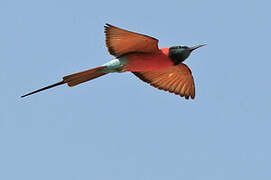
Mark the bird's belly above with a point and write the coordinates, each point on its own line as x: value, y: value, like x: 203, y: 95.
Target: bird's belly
x: 147, y: 62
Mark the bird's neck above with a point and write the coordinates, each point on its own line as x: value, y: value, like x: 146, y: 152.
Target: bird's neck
x: 178, y: 56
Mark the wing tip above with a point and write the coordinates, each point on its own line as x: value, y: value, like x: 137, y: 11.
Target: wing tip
x: 107, y: 24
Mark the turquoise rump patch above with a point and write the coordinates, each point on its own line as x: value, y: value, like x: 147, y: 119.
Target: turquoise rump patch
x: 115, y: 65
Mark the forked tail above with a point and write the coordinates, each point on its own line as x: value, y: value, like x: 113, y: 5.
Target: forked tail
x: 75, y: 79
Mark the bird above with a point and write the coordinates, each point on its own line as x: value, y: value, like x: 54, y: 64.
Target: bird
x: 162, y: 68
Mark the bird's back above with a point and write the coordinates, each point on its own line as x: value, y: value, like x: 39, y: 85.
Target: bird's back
x: 148, y: 61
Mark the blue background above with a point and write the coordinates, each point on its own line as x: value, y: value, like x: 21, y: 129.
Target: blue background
x: 118, y: 127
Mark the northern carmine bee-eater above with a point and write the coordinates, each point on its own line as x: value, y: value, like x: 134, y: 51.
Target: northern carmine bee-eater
x: 162, y: 68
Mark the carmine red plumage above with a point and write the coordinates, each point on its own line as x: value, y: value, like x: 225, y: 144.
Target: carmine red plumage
x: 149, y: 62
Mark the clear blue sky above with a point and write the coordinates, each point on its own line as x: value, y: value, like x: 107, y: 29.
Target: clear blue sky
x: 117, y: 127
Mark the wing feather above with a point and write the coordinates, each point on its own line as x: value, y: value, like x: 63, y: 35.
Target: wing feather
x: 177, y: 79
x: 120, y: 41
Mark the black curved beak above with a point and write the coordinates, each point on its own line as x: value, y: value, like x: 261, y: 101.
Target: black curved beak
x: 196, y: 47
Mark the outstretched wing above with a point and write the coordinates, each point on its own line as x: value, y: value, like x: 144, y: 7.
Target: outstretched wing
x: 177, y: 79
x: 120, y: 41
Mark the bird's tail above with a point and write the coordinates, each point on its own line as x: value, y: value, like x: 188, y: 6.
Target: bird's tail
x: 78, y: 78
x: 75, y: 79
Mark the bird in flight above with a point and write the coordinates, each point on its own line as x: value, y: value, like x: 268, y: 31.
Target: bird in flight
x: 162, y: 68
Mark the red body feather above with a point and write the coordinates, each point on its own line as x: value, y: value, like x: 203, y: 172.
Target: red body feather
x: 148, y: 61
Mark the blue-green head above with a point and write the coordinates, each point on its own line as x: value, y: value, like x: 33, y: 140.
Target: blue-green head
x: 179, y: 53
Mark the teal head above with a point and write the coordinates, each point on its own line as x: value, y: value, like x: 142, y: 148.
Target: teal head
x: 179, y: 53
